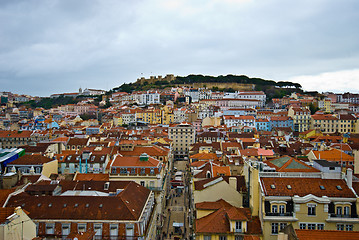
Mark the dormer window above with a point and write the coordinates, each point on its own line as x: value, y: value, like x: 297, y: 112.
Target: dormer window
x: 238, y: 227
x: 107, y: 185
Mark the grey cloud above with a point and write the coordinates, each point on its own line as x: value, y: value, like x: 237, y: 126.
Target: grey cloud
x: 105, y: 43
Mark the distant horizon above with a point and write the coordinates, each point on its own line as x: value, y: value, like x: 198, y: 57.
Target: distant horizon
x: 163, y: 75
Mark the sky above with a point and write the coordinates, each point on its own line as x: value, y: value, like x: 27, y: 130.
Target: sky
x: 59, y: 46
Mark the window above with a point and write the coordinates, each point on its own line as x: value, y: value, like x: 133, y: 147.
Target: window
x: 340, y: 227
x: 311, y: 209
x: 274, y: 208
x: 81, y: 227
x: 339, y: 210
x: 113, y: 231
x: 222, y: 237
x: 207, y: 238
x: 320, y: 226
x: 238, y: 226
x: 142, y: 183
x: 130, y: 230
x: 50, y: 228
x: 302, y: 226
x: 274, y: 228
x: 281, y: 209
x: 282, y: 225
x: 346, y: 211
x: 348, y: 227
x: 98, y: 229
x: 65, y: 229
x: 311, y: 226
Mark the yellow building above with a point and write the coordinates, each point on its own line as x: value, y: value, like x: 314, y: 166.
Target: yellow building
x: 167, y: 115
x: 306, y: 203
x: 301, y: 118
x: 17, y: 226
x: 231, y: 189
x: 326, y: 123
x: 117, y: 120
x: 346, y: 123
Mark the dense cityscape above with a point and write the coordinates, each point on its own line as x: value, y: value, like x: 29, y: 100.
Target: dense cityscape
x: 186, y: 161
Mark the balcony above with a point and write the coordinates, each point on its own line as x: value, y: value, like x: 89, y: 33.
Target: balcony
x: 333, y: 215
x: 352, y: 218
x: 288, y: 217
x: 287, y: 214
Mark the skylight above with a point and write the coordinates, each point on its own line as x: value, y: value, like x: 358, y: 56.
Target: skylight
x: 272, y: 186
x: 289, y: 186
x: 339, y: 187
x: 322, y: 187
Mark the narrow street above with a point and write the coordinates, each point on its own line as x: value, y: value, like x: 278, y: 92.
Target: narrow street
x: 177, y: 211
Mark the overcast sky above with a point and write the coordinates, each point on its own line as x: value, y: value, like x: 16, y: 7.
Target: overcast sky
x: 59, y: 46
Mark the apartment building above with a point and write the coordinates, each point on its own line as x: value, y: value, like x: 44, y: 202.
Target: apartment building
x: 119, y: 212
x: 306, y: 203
x: 301, y: 118
x: 182, y: 135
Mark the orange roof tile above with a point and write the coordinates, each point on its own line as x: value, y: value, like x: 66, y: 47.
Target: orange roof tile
x: 326, y: 234
x: 305, y: 186
x: 333, y: 155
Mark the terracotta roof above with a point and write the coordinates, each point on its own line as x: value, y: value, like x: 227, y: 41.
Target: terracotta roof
x: 214, y: 169
x: 5, y: 212
x: 204, y: 156
x: 77, y: 141
x: 127, y: 205
x: 121, y: 161
x: 333, y: 155
x: 324, y: 117
x: 4, y: 193
x: 39, y: 148
x: 92, y: 177
x: 305, y: 186
x: 326, y: 234
x: 35, y: 159
x: 219, y: 221
x: 93, y: 185
x: 153, y: 150
x: 88, y: 235
x: 15, y: 134
x: 213, y: 205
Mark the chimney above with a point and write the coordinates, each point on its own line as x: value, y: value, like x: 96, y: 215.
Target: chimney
x: 350, y: 177
x: 282, y: 236
x: 233, y: 182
